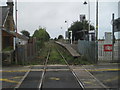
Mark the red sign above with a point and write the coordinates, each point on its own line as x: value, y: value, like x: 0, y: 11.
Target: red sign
x: 108, y: 47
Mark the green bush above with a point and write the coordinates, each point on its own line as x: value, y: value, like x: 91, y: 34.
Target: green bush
x: 8, y: 48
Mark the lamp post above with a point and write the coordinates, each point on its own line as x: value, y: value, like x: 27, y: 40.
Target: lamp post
x: 71, y: 36
x: 85, y: 3
x: 66, y: 32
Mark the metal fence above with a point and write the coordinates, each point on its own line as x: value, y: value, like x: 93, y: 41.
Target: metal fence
x: 87, y: 49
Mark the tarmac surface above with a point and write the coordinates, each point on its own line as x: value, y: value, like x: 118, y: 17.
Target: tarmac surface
x: 104, y: 75
x: 107, y: 73
x: 60, y: 79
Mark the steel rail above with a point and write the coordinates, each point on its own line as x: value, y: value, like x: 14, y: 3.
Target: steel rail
x: 20, y: 82
x: 42, y: 77
x: 44, y: 71
x: 79, y: 82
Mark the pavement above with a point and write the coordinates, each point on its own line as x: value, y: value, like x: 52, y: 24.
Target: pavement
x: 105, y: 75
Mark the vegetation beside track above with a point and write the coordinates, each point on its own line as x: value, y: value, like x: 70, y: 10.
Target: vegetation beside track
x: 70, y: 59
x: 55, y: 57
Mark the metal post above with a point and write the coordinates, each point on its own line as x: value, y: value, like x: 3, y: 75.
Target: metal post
x: 97, y: 20
x: 71, y: 36
x: 16, y: 14
x: 66, y: 31
x: 113, y: 37
x: 89, y: 18
x: 16, y: 31
x: 0, y: 40
x: 96, y: 40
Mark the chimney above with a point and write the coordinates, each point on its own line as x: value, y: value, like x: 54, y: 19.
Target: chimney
x: 10, y: 5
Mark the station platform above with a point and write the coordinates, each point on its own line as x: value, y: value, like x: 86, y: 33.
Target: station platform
x: 72, y: 51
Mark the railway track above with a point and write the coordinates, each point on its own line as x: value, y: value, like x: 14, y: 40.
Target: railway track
x: 50, y: 76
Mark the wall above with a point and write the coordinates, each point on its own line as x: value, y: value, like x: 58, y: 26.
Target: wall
x: 7, y: 40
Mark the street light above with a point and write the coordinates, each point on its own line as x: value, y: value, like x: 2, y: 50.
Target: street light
x: 85, y: 3
x: 71, y: 36
x: 66, y: 31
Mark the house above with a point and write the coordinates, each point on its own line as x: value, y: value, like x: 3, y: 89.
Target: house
x: 20, y: 39
x: 9, y: 38
x: 7, y: 25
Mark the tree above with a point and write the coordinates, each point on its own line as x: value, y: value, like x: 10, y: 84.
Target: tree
x: 77, y: 29
x: 41, y: 34
x: 55, y: 39
x: 26, y: 33
x: 60, y: 37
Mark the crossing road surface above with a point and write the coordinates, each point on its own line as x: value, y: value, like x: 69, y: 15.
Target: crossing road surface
x: 55, y: 77
x: 60, y: 79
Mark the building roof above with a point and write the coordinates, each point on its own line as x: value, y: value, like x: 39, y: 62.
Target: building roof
x: 16, y: 34
x: 19, y: 35
x: 4, y: 10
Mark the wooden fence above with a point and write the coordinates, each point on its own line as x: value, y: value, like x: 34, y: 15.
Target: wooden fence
x: 26, y: 53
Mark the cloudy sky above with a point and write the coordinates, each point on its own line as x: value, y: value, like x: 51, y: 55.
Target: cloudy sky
x: 52, y: 14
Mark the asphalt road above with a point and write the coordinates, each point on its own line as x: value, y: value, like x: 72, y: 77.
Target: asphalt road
x: 108, y: 74
x: 60, y: 78
x: 32, y: 80
x: 109, y: 78
x: 10, y: 79
x: 57, y: 76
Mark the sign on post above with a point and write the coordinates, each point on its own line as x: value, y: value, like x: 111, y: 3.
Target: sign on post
x: 108, y: 47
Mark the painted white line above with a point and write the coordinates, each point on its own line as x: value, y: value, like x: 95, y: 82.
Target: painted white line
x: 23, y: 79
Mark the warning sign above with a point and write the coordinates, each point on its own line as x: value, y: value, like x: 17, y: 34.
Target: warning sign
x: 108, y: 47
